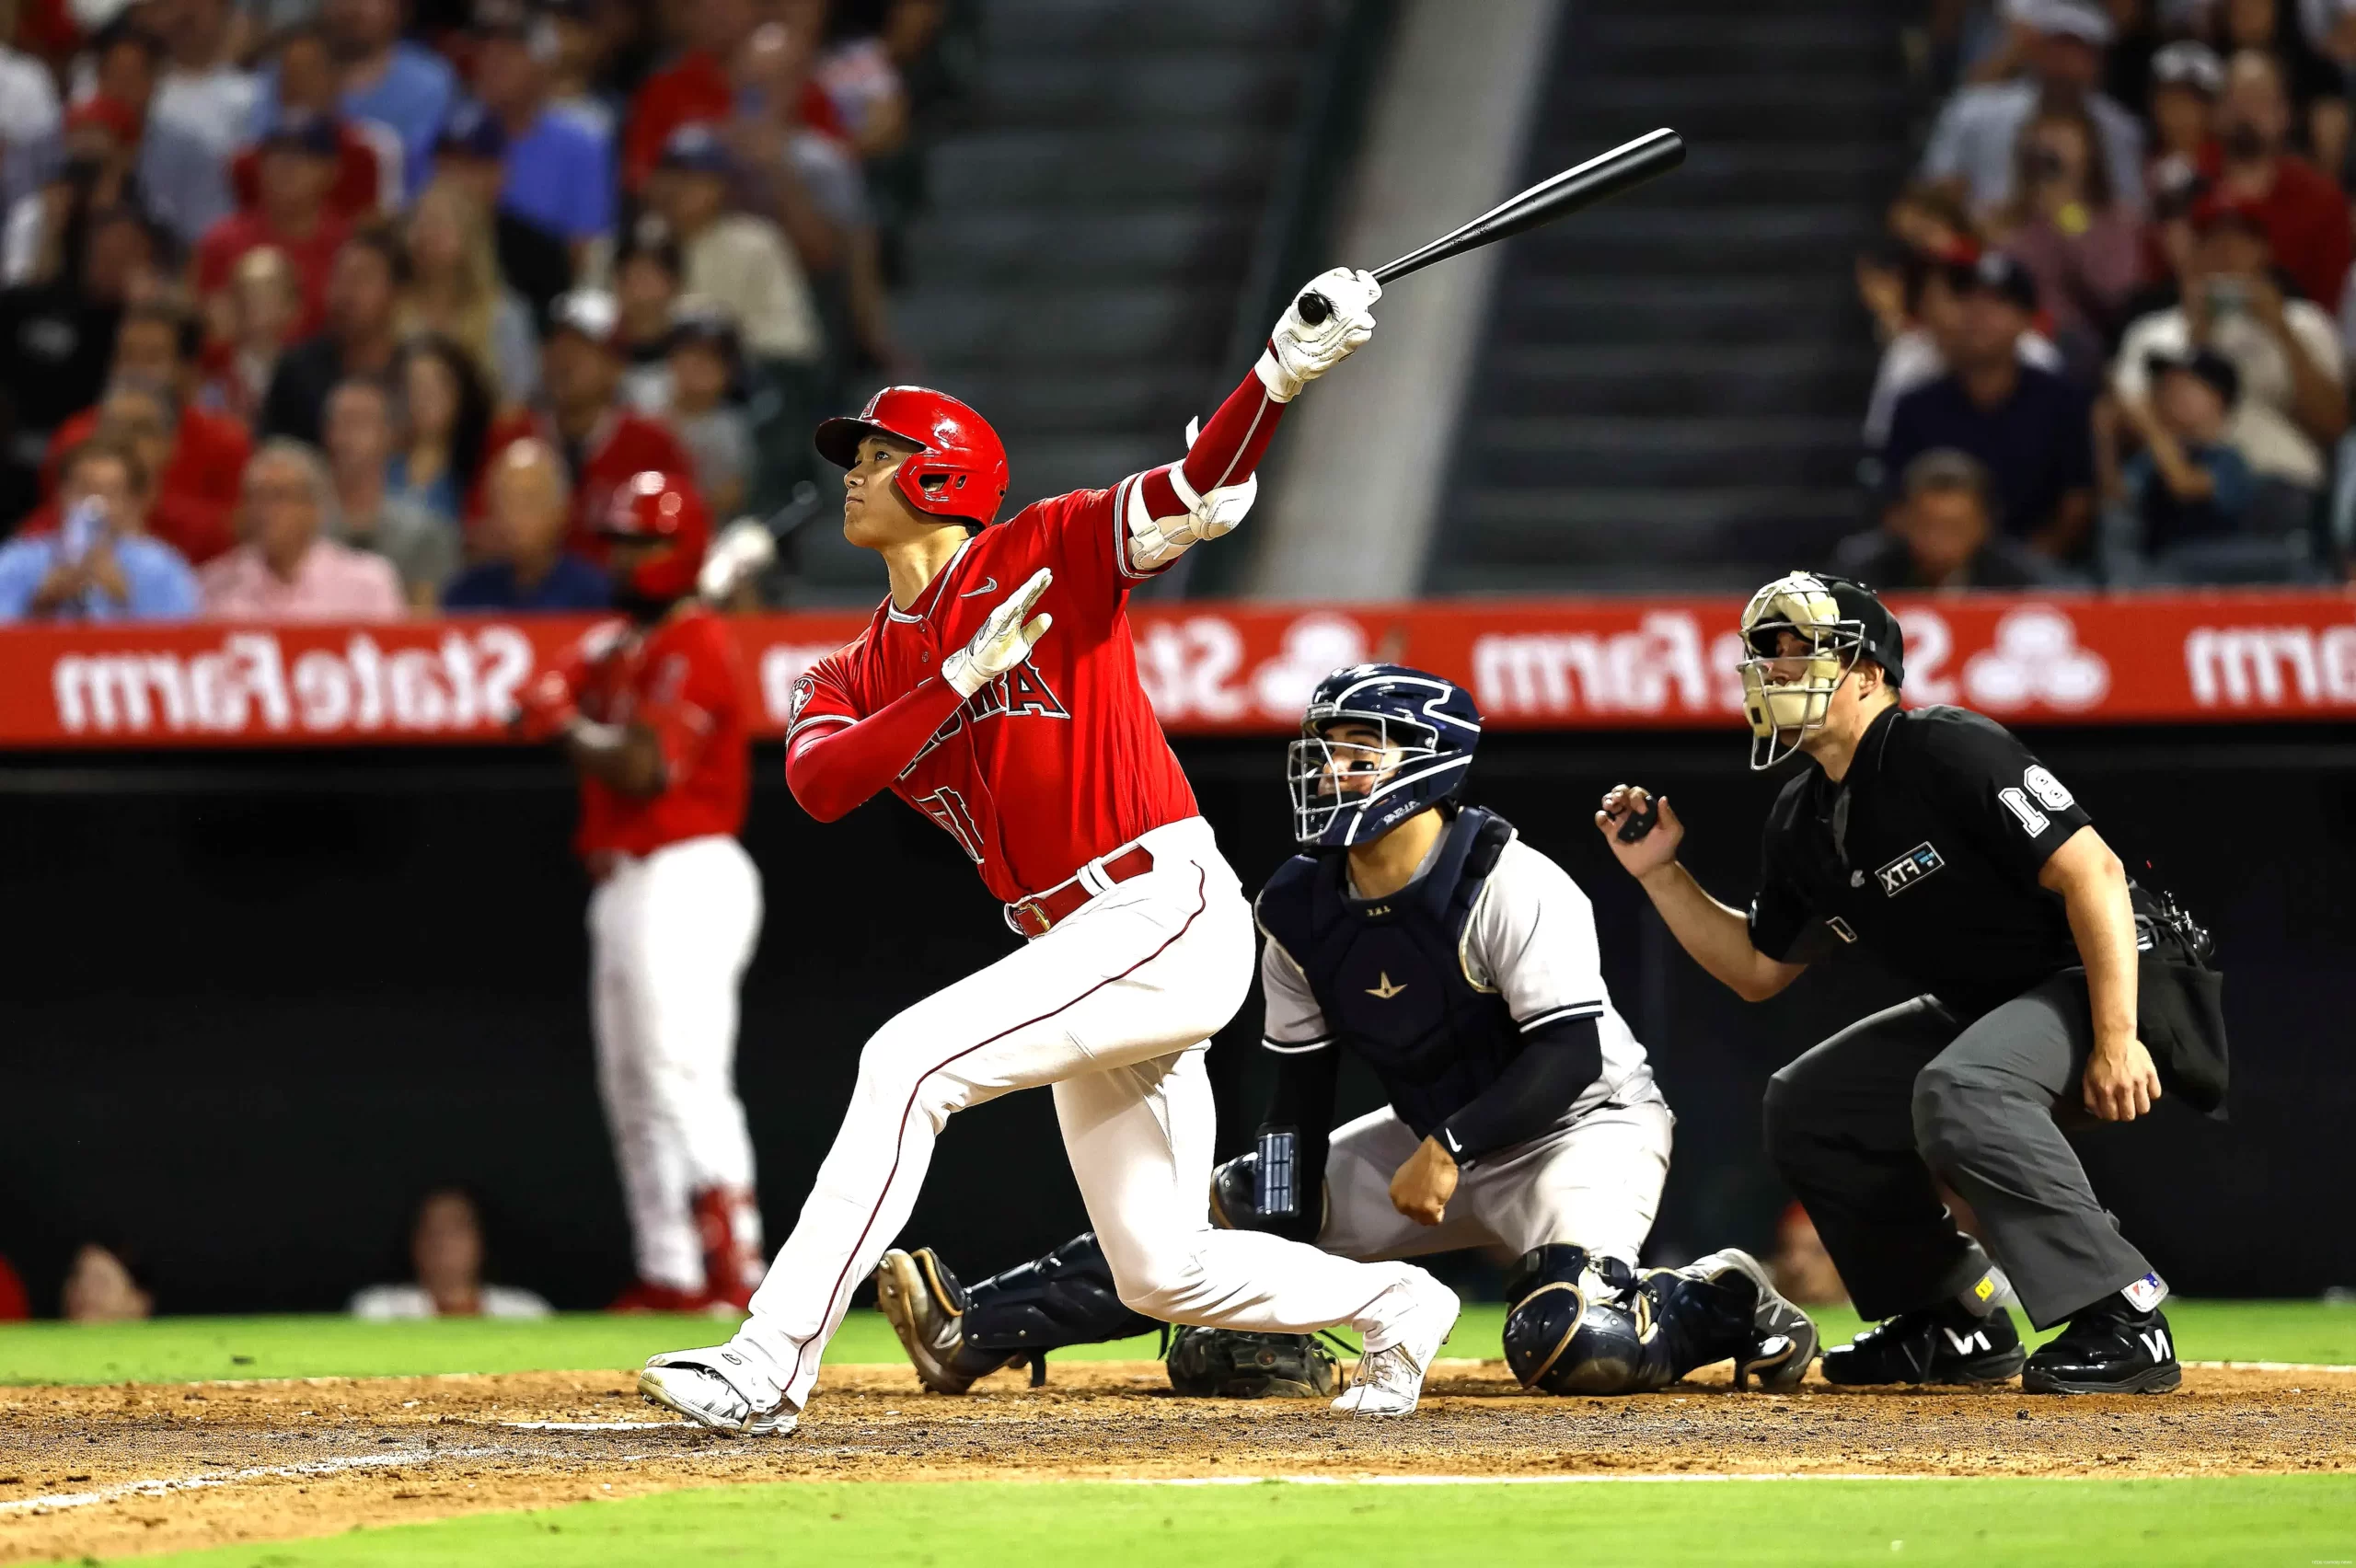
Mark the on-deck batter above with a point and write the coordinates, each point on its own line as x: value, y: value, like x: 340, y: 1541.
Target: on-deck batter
x: 1040, y: 755
x: 652, y: 710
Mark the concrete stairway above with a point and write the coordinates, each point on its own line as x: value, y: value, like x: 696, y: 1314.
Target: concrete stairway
x: 1671, y: 386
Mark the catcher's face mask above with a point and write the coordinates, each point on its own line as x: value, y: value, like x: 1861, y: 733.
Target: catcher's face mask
x: 1340, y: 768
x: 1799, y: 650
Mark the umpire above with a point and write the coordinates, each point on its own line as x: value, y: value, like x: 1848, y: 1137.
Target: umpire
x: 1935, y: 840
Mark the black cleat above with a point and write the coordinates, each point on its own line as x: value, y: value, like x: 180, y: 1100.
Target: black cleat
x: 1930, y: 1344
x: 2109, y: 1348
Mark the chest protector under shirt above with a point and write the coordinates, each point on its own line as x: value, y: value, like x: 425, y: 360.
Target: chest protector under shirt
x: 1390, y: 974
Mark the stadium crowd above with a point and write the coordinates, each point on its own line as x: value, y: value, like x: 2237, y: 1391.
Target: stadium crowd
x: 336, y: 309
x: 2114, y: 301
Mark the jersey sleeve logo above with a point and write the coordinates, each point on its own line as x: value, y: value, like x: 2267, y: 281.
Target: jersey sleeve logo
x: 2051, y: 791
x: 1909, y: 869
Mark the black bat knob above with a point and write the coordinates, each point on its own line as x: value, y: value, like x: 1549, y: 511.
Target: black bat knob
x: 1314, y: 307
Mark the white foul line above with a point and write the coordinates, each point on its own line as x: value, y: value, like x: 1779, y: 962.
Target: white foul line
x: 226, y: 1478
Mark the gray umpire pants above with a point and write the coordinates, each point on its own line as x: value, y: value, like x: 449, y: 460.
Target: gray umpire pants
x: 1859, y: 1125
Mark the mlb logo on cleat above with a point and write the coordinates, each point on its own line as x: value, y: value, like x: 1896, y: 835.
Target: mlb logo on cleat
x: 2146, y: 1293
x: 1908, y: 870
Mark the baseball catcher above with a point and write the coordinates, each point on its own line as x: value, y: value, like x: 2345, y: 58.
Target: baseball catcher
x: 1461, y: 966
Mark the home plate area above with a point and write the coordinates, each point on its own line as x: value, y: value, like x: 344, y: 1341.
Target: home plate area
x: 135, y: 1468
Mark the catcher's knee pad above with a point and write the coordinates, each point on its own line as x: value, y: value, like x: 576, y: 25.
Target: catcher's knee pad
x: 1578, y: 1324
x: 1065, y: 1297
x: 1231, y: 1363
x: 1235, y: 1203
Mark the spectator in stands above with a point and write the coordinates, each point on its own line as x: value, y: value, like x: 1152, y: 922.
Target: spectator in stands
x: 646, y: 293
x: 90, y: 170
x: 704, y: 372
x: 1981, y: 125
x: 296, y: 165
x: 2317, y: 85
x: 180, y: 181
x: 559, y: 176
x: 2030, y: 427
x: 288, y: 568
x: 581, y: 44
x: 255, y: 319
x: 195, y: 455
x: 2293, y: 401
x: 701, y: 86
x: 445, y: 1249
x: 203, y: 88
x: 422, y: 549
x: 601, y: 442
x: 57, y: 341
x: 2083, y: 249
x: 389, y: 79
x: 101, y: 565
x: 455, y: 290
x: 1941, y: 534
x: 472, y: 157
x: 2304, y: 213
x: 2188, y: 483
x: 359, y: 338
x: 446, y: 423
x: 368, y: 156
x: 103, y: 1286
x: 734, y: 259
x: 1918, y: 355
x: 861, y: 74
x: 2186, y: 79
x: 30, y: 114
x: 527, y: 567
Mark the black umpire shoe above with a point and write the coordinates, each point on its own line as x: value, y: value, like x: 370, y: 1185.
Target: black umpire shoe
x: 1930, y: 1344
x: 2109, y: 1348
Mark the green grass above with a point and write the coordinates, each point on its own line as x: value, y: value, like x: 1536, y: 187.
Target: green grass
x: 2241, y: 1521
x: 182, y: 1350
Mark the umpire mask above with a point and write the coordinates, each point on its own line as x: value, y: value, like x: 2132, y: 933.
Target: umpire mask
x: 1379, y: 744
x: 1802, y: 634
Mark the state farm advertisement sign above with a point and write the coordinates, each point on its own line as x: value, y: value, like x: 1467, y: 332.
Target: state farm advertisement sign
x: 1211, y: 668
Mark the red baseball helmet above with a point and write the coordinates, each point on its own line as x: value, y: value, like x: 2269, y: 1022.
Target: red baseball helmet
x: 658, y: 506
x: 963, y: 463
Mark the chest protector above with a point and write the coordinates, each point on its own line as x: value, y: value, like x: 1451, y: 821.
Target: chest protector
x: 1390, y: 974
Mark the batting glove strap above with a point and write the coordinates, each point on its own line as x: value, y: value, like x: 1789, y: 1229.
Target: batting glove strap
x: 1004, y: 641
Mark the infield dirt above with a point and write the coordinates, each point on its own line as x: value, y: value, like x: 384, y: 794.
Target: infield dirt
x: 146, y: 1468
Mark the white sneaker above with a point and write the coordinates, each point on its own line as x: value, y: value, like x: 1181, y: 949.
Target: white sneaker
x: 1388, y: 1381
x: 721, y: 1389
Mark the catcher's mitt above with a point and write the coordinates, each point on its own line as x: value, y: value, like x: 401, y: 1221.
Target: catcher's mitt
x: 1230, y: 1365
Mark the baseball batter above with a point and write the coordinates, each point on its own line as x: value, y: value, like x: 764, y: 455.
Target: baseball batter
x: 996, y: 690
x: 651, y: 709
x: 1462, y: 966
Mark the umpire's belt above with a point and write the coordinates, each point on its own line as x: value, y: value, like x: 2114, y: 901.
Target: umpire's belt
x: 1040, y: 913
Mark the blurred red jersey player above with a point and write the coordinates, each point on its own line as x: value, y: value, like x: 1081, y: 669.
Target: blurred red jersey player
x: 651, y: 709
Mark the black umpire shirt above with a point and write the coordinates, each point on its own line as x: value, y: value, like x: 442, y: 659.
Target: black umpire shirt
x: 1927, y: 854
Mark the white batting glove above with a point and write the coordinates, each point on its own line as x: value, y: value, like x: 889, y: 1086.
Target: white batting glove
x: 1300, y: 352
x: 1004, y: 641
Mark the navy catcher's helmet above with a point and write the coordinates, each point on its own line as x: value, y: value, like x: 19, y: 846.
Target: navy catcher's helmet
x: 1348, y: 792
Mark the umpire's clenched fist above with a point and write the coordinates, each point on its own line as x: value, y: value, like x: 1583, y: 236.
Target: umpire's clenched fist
x: 1624, y: 808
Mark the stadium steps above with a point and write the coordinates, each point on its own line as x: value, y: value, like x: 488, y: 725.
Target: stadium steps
x: 1091, y: 220
x: 1669, y: 387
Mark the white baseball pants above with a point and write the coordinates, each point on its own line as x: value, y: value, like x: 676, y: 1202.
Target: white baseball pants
x: 1113, y: 1007
x: 669, y: 936
x: 1595, y: 1183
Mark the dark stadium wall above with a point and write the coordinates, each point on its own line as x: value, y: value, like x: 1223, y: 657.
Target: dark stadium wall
x: 258, y: 1004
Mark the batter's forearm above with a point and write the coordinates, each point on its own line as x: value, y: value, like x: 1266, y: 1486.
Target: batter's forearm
x: 1718, y: 937
x: 623, y: 757
x: 832, y: 767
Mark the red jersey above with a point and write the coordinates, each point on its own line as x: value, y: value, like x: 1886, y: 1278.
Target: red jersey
x: 683, y: 680
x: 620, y: 444
x: 692, y: 90
x: 228, y: 241
x: 1058, y: 761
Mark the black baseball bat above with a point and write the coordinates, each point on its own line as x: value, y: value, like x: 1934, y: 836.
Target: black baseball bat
x: 1600, y: 179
